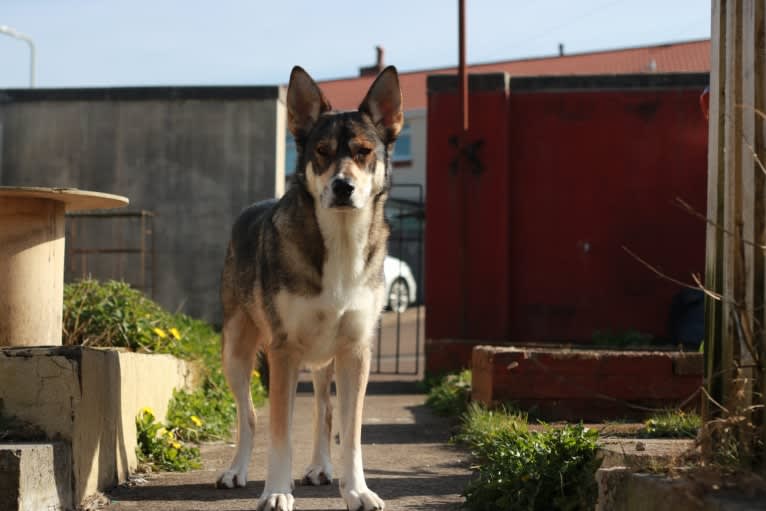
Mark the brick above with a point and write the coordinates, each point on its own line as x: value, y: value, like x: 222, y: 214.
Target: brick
x: 581, y: 384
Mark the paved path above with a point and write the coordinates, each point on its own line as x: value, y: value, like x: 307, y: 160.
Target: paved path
x: 407, y: 462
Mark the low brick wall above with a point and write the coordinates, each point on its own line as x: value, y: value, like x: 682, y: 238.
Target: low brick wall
x: 590, y: 385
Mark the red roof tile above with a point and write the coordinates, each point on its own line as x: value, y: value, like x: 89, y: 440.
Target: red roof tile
x: 692, y: 56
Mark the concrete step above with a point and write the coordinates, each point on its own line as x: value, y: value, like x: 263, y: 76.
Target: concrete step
x: 36, y: 477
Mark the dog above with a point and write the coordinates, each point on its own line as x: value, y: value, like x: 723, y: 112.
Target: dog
x: 303, y: 281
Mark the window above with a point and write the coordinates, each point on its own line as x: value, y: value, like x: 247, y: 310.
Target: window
x: 403, y: 148
x: 291, y: 155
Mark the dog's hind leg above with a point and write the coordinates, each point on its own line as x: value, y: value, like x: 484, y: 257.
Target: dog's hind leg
x: 353, y: 367
x: 240, y: 346
x: 320, y: 470
x: 283, y: 379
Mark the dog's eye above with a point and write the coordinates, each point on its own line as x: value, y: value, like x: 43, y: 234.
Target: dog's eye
x: 361, y: 153
x: 322, y: 151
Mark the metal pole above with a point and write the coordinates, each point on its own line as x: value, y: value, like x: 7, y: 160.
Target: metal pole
x: 4, y: 29
x: 462, y: 76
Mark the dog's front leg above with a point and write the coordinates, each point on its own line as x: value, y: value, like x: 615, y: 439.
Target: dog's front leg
x: 283, y: 378
x: 319, y: 470
x: 352, y: 367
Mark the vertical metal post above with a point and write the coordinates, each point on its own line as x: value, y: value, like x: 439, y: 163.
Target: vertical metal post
x: 461, y: 177
x: 462, y: 76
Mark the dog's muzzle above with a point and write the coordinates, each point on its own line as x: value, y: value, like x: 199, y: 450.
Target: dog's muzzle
x: 341, y: 190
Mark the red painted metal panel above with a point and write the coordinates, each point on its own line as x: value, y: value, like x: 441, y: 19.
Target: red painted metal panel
x: 590, y: 172
x: 467, y: 212
x: 530, y: 248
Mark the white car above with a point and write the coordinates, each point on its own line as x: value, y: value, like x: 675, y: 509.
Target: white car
x: 401, y: 290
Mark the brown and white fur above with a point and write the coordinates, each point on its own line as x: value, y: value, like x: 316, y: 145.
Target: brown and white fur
x: 303, y: 280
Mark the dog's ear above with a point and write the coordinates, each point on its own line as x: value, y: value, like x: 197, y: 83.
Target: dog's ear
x: 383, y: 104
x: 305, y: 103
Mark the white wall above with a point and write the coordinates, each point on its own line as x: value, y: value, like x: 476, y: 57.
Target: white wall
x: 415, y: 172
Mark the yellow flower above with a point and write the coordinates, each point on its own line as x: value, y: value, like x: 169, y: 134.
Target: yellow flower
x: 196, y: 420
x: 160, y: 332
x: 175, y: 333
x: 170, y: 435
x: 146, y: 410
x: 256, y: 374
x: 176, y: 445
x: 161, y: 432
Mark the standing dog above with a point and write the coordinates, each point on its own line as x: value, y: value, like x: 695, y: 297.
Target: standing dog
x: 303, y: 279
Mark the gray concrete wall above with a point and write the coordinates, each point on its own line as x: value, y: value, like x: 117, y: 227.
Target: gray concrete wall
x: 193, y: 155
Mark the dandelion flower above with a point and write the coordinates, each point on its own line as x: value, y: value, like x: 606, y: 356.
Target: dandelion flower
x: 256, y: 374
x: 146, y: 410
x: 176, y: 445
x: 175, y: 333
x: 160, y: 332
x: 196, y: 420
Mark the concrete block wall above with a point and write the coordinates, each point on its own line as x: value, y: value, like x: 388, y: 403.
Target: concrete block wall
x: 196, y: 156
x: 89, y: 398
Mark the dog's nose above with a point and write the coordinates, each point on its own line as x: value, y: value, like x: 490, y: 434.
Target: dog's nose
x: 342, y: 188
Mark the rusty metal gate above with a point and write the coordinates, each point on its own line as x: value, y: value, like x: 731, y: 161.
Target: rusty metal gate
x: 399, y: 343
x: 117, y: 246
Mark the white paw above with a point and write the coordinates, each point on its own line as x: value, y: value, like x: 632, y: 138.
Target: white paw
x: 363, y: 500
x: 232, y: 478
x: 317, y: 474
x: 276, y: 502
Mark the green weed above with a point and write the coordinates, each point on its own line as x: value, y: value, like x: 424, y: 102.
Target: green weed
x: 450, y: 396
x: 671, y: 424
x: 520, y: 469
x: 161, y: 447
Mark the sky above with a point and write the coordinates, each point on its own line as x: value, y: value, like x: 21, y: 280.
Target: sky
x: 83, y: 43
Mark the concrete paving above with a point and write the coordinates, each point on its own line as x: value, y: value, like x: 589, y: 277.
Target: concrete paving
x: 408, y: 462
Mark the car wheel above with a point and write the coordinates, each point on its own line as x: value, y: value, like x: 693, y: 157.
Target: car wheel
x: 399, y: 295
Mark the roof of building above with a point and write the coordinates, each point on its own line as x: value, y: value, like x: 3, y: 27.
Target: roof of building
x: 689, y: 56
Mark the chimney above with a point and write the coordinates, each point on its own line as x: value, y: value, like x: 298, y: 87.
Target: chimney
x: 375, y: 68
x: 561, y: 49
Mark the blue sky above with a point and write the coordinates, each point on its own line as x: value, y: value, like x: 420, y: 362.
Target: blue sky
x: 236, y: 42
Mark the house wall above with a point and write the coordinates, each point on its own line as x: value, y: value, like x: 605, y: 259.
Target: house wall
x: 414, y: 171
x: 193, y: 156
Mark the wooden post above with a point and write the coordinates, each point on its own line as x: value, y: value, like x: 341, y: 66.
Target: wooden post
x: 735, y: 343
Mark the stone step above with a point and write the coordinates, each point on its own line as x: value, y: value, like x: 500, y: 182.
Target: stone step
x: 35, y: 477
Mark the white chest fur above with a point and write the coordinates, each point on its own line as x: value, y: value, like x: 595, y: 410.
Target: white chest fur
x: 347, y: 309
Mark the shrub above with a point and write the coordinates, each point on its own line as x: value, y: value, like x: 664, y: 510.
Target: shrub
x: 451, y: 394
x: 113, y: 314
x: 520, y: 469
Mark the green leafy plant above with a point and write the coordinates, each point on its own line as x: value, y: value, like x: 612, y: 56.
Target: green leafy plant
x: 671, y: 424
x: 521, y: 469
x: 113, y: 314
x: 451, y: 395
x: 161, y: 447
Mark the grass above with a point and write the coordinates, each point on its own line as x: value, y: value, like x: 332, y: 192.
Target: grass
x: 113, y: 314
x: 671, y: 424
